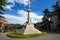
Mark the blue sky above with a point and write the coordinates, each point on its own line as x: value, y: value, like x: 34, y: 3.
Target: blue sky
x: 16, y: 10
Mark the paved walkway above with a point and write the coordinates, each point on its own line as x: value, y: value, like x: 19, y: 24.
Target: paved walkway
x: 47, y: 37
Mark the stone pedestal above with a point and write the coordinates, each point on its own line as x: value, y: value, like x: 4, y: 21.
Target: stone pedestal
x: 30, y: 29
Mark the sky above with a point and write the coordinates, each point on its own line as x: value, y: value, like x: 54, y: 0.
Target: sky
x: 16, y: 10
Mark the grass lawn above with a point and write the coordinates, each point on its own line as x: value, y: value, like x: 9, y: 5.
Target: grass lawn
x: 16, y: 35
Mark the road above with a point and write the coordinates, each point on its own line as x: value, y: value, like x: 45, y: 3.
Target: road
x: 46, y: 37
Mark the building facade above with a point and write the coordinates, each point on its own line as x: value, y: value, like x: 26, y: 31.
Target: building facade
x: 3, y: 24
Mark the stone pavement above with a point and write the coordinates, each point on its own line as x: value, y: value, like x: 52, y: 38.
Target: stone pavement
x: 46, y: 37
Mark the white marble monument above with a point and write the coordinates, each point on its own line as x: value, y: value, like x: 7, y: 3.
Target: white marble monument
x: 29, y: 26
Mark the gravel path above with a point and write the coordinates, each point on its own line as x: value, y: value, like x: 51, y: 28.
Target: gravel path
x: 46, y: 37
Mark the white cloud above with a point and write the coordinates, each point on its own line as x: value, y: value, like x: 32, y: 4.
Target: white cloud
x: 8, y: 7
x: 10, y: 1
x: 14, y: 19
x: 18, y: 1
x: 34, y: 16
x: 23, y: 17
x: 22, y: 1
x: 23, y: 14
x: 13, y: 3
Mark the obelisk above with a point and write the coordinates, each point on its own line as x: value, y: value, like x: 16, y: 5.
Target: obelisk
x: 28, y: 18
x: 29, y: 26
x: 29, y: 29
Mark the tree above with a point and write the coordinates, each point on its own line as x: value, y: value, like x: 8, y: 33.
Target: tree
x: 46, y: 15
x: 12, y: 27
x: 56, y: 9
x: 2, y: 3
x: 46, y: 19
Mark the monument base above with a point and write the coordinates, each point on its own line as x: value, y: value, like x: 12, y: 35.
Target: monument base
x: 29, y: 30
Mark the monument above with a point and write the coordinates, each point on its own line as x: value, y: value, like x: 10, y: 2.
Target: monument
x: 29, y: 26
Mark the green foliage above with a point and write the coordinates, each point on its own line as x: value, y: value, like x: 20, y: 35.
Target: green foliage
x: 11, y: 27
x: 2, y: 3
x: 46, y: 15
x: 17, y: 35
x: 56, y: 7
x: 49, y: 14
